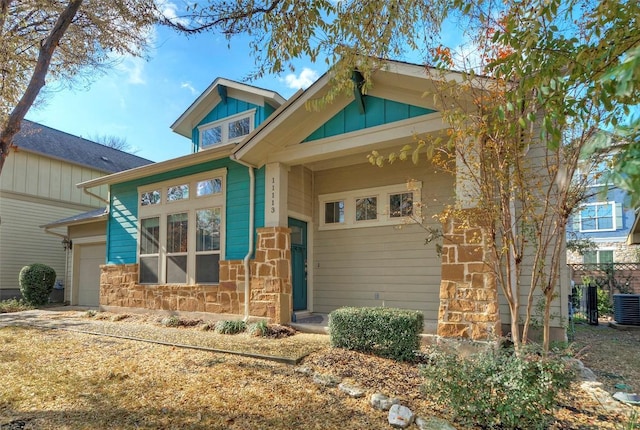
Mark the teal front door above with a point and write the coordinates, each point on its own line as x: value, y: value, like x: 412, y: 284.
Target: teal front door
x: 299, y: 263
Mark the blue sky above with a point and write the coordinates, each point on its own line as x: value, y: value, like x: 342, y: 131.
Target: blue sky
x: 140, y: 99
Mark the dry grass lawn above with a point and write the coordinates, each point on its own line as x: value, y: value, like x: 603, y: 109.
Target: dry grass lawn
x: 54, y: 379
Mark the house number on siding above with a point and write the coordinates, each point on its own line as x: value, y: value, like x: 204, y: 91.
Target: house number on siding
x: 273, y: 194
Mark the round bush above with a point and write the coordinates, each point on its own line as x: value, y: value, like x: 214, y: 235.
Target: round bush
x: 36, y: 283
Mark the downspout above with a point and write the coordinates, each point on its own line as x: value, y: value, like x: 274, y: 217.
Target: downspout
x: 252, y: 204
x: 102, y: 199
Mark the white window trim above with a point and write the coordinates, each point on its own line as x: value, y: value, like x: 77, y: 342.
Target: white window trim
x: 190, y: 206
x: 382, y: 194
x: 223, y: 124
x: 613, y: 215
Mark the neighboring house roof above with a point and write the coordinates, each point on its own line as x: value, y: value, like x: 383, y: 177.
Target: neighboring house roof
x: 82, y: 218
x: 57, y: 144
x: 212, y: 96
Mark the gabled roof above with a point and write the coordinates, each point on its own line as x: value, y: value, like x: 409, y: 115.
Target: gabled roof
x: 293, y: 122
x: 213, y: 95
x: 47, y: 141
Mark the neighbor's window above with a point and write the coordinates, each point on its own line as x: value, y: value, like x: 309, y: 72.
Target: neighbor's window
x: 598, y: 257
x: 180, y: 236
x: 334, y: 212
x: 597, y: 217
x: 228, y: 130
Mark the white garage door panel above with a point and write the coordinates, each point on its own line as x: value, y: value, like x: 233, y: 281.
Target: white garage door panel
x: 91, y: 257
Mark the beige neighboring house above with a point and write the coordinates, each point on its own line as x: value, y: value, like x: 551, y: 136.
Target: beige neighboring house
x: 38, y: 185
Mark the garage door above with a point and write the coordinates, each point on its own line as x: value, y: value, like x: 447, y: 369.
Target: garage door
x: 90, y: 259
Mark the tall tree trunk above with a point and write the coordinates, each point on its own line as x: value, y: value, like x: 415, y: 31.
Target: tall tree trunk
x: 37, y: 81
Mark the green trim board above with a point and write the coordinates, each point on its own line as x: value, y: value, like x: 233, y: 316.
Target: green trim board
x: 378, y: 111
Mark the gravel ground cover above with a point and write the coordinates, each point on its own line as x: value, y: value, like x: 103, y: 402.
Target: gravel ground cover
x: 56, y: 379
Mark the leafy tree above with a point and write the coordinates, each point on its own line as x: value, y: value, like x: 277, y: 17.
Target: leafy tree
x: 61, y: 40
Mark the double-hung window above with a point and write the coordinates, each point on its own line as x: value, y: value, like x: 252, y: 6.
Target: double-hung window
x: 180, y: 235
x: 229, y: 130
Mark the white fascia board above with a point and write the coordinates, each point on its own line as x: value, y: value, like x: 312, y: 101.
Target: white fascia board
x: 161, y: 167
x: 360, y: 140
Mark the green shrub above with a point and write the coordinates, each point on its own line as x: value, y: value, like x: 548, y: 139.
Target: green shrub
x: 258, y: 329
x: 386, y: 332
x: 14, y: 305
x: 496, y: 388
x: 36, y: 283
x: 230, y: 327
x: 170, y: 321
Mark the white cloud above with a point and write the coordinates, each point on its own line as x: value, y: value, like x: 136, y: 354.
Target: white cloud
x: 170, y: 11
x: 303, y: 80
x: 133, y: 68
x: 189, y: 87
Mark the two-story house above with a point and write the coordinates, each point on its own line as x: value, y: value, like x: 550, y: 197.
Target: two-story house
x: 38, y: 185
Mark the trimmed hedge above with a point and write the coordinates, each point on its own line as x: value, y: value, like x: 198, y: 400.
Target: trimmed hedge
x: 386, y: 332
x: 36, y: 283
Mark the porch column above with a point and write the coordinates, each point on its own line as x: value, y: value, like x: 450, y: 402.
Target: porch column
x: 276, y: 187
x: 468, y: 289
x: 271, y: 276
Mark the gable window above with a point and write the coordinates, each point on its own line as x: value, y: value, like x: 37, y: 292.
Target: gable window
x: 370, y: 207
x: 229, y: 130
x: 180, y: 237
x: 605, y: 216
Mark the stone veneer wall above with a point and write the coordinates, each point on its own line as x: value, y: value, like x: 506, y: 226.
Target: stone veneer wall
x: 468, y: 289
x: 270, y: 285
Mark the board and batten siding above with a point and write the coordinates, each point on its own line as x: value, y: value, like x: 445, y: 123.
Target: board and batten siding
x: 300, y: 194
x: 27, y: 173
x: 387, y: 266
x: 123, y: 217
x: 378, y: 111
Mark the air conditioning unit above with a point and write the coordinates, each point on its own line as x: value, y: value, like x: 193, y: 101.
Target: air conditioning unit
x: 626, y: 308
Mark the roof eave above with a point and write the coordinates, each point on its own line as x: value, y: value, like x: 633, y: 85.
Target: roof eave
x: 163, y: 166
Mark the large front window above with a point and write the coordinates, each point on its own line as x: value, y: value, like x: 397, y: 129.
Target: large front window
x: 180, y: 233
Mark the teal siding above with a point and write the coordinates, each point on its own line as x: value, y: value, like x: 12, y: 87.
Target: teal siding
x: 378, y: 111
x: 230, y: 108
x: 123, y: 217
